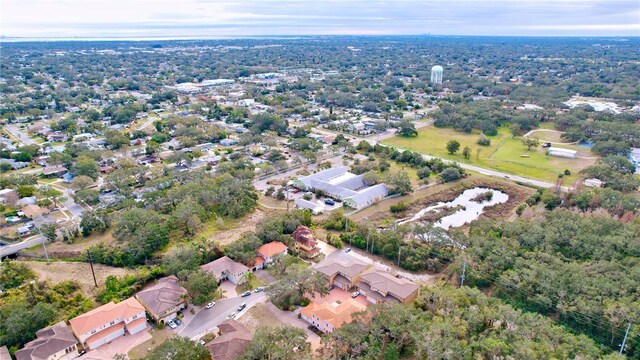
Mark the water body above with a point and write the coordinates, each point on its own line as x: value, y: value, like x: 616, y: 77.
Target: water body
x: 471, y: 211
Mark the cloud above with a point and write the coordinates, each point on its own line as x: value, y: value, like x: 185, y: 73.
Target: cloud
x: 304, y: 17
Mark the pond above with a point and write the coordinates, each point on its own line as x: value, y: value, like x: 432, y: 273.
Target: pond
x: 469, y: 211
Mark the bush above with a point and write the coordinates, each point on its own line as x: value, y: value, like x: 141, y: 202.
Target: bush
x: 484, y: 141
x: 399, y: 207
x: 520, y: 209
x: 450, y: 174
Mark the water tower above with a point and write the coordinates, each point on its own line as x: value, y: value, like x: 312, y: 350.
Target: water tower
x: 436, y: 74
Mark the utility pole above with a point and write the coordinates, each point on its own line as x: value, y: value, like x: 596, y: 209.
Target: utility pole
x: 44, y: 240
x: 346, y: 227
x: 464, y: 269
x: 92, y: 272
x: 399, y: 248
x: 286, y: 194
x: 624, y: 342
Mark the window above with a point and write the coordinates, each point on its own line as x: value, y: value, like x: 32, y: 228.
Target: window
x: 93, y: 332
x: 111, y: 323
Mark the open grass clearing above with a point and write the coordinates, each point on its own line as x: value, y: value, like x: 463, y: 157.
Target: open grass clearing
x: 505, y: 154
x: 80, y: 272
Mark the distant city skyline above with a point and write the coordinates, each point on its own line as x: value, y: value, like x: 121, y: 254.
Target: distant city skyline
x: 201, y: 18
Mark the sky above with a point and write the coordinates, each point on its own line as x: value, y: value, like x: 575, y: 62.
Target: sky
x: 211, y: 18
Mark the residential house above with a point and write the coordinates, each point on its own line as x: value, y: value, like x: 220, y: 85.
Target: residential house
x: 315, y: 208
x: 54, y: 171
x: 226, y: 269
x: 164, y: 299
x: 330, y: 316
x: 339, y: 183
x: 593, y: 182
x: 342, y: 270
x: 306, y: 242
x: 4, y: 353
x: 29, y: 211
x: 25, y: 230
x: 380, y: 286
x: 267, y: 252
x: 231, y: 342
x: 15, y: 165
x: 108, y: 322
x: 8, y: 196
x: 55, y: 342
x: 57, y: 137
x: 42, y: 160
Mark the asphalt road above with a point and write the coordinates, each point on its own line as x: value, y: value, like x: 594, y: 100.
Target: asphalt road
x: 27, y: 243
x: 13, y: 129
x: 207, y: 319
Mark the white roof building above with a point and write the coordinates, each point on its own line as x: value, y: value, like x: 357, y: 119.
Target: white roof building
x: 339, y: 183
x: 561, y: 152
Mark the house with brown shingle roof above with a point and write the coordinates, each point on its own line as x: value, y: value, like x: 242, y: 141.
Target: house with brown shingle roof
x: 30, y: 211
x: 380, y: 286
x: 226, y: 269
x: 232, y: 341
x: 164, y: 299
x: 342, y: 271
x: 330, y: 316
x: 53, y: 171
x: 108, y: 322
x: 53, y: 342
x: 305, y: 241
x: 267, y: 252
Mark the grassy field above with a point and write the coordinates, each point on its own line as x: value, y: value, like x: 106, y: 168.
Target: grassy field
x: 505, y: 154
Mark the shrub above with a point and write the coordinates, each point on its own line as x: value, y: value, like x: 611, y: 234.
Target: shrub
x: 399, y: 207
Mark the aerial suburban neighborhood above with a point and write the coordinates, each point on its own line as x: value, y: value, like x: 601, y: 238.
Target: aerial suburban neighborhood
x: 359, y: 195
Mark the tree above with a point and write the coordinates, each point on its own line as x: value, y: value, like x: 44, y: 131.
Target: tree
x: 278, y: 343
x: 407, y: 128
x: 82, y: 182
x: 86, y: 166
x: 400, y: 183
x: 152, y: 147
x: 25, y: 190
x: 181, y: 257
x: 296, y: 282
x: 188, y: 215
x: 530, y: 142
x: 49, y: 192
x: 450, y: 174
x: 49, y: 231
x: 483, y: 140
x: 200, y: 285
x: 178, y: 348
x: 466, y: 152
x: 453, y: 146
x: 94, y: 221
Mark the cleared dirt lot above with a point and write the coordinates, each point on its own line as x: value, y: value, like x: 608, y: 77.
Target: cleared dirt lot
x: 80, y: 272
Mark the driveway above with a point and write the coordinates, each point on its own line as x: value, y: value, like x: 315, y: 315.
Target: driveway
x: 291, y: 318
x: 207, y: 319
x: 228, y: 289
x: 121, y: 345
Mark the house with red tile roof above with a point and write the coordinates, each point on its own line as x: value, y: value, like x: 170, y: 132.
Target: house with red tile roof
x: 108, y: 322
x: 267, y: 252
x: 330, y: 316
x: 306, y: 242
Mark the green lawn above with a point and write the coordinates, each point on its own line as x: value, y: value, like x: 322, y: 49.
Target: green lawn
x: 505, y: 153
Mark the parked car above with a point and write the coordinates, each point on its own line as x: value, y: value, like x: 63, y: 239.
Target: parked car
x: 258, y: 289
x: 172, y: 324
x: 61, y: 220
x: 232, y: 315
x: 347, y: 250
x: 210, y: 305
x: 201, y: 342
x: 177, y: 321
x: 246, y: 293
x: 355, y: 294
x: 330, y: 287
x: 329, y: 202
x: 242, y: 306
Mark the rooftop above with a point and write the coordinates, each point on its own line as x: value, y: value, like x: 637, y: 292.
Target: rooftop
x: 272, y: 248
x: 88, y: 321
x: 217, y: 267
x: 231, y: 344
x: 49, y: 341
x: 162, y: 296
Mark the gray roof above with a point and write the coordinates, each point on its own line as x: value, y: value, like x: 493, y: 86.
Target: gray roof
x: 217, y: 267
x: 342, y: 263
x: 385, y: 283
x: 375, y: 191
x: 166, y: 294
x: 353, y: 183
x: 49, y: 341
x: 325, y: 175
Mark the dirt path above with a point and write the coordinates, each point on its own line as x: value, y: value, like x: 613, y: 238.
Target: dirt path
x: 58, y: 271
